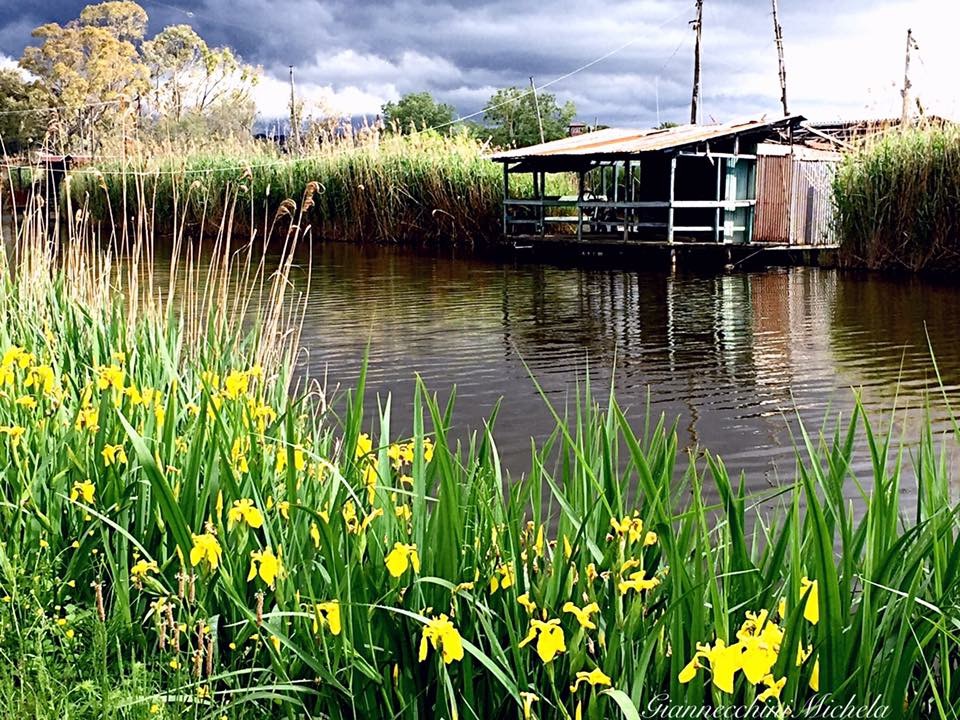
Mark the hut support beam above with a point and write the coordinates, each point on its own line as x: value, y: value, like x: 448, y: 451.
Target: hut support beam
x: 628, y: 196
x: 580, y: 205
x: 673, y: 183
x: 716, y: 217
x: 506, y: 196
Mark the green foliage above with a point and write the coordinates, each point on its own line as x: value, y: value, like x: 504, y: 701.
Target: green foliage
x: 22, y: 125
x: 106, y: 598
x: 898, y: 201
x: 422, y: 188
x: 417, y: 111
x: 101, y: 69
x: 513, y: 121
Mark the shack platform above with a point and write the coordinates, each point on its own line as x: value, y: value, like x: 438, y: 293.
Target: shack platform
x: 612, y: 250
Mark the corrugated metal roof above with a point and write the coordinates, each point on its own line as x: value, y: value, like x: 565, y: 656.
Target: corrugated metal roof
x: 621, y: 141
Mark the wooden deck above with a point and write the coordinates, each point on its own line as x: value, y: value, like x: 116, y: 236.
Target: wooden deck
x: 612, y: 249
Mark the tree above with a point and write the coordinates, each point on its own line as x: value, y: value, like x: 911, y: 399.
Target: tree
x: 416, y: 111
x: 513, y: 120
x: 91, y: 67
x: 189, y: 77
x: 23, y: 123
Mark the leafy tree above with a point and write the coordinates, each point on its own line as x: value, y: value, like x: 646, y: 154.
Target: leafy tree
x: 22, y: 124
x: 90, y: 60
x: 512, y: 117
x: 188, y: 76
x: 416, y: 111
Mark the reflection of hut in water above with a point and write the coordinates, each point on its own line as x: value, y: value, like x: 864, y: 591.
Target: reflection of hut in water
x: 698, y: 184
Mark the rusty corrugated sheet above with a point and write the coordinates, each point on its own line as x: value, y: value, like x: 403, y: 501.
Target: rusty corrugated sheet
x: 771, y: 222
x: 620, y: 141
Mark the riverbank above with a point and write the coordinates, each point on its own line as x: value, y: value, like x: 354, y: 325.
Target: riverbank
x: 189, y: 535
x: 898, y: 201
x: 412, y: 189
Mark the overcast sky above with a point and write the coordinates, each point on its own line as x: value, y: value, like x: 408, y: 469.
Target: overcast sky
x: 844, y: 57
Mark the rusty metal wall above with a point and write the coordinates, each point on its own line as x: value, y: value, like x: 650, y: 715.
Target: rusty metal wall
x: 771, y: 223
x: 812, y: 206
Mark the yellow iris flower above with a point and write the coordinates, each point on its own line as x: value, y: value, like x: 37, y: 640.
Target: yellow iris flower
x: 85, y: 490
x: 244, y: 511
x: 327, y: 614
x: 206, y: 548
x: 593, y: 678
x: 265, y: 564
x: 549, y: 637
x: 114, y: 455
x: 443, y: 636
x: 583, y: 614
x: 402, y: 557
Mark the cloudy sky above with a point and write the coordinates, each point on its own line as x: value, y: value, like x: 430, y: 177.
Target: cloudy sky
x: 844, y: 57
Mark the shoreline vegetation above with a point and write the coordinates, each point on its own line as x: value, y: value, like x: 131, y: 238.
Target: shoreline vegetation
x: 424, y: 188
x: 191, y: 532
x: 898, y: 201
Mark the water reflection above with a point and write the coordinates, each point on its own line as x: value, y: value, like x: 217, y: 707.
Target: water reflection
x: 734, y: 356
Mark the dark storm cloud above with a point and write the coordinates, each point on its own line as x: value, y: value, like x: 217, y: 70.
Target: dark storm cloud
x: 462, y: 51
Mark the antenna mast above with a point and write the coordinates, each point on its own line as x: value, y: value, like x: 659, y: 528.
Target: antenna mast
x: 905, y: 93
x: 778, y: 35
x: 536, y: 102
x: 695, y: 98
x: 294, y: 120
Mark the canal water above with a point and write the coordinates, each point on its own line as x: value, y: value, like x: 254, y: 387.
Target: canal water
x: 736, y: 356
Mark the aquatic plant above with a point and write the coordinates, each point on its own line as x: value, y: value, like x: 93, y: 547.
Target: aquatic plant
x: 191, y: 532
x: 416, y: 189
x: 898, y: 200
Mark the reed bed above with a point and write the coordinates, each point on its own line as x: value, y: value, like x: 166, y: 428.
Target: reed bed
x: 190, y: 533
x: 898, y: 201
x: 415, y: 189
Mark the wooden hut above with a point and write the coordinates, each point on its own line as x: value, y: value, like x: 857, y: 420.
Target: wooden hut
x: 687, y: 184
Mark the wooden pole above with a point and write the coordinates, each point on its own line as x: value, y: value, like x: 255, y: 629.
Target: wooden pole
x: 294, y: 120
x: 778, y: 35
x: 536, y: 102
x: 695, y: 98
x: 905, y: 93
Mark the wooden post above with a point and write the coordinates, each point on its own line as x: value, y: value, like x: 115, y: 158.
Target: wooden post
x: 536, y: 102
x: 695, y: 98
x: 778, y: 36
x: 628, y: 197
x: 580, y: 205
x: 506, y: 196
x: 673, y: 178
x: 543, y: 208
x: 905, y: 93
x: 716, y: 219
x: 294, y: 118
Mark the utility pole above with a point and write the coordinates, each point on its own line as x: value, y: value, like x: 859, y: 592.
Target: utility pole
x: 294, y: 120
x: 905, y: 93
x: 695, y: 98
x: 778, y: 35
x: 536, y: 102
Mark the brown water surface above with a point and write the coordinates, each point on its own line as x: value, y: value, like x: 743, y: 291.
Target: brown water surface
x: 732, y: 355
